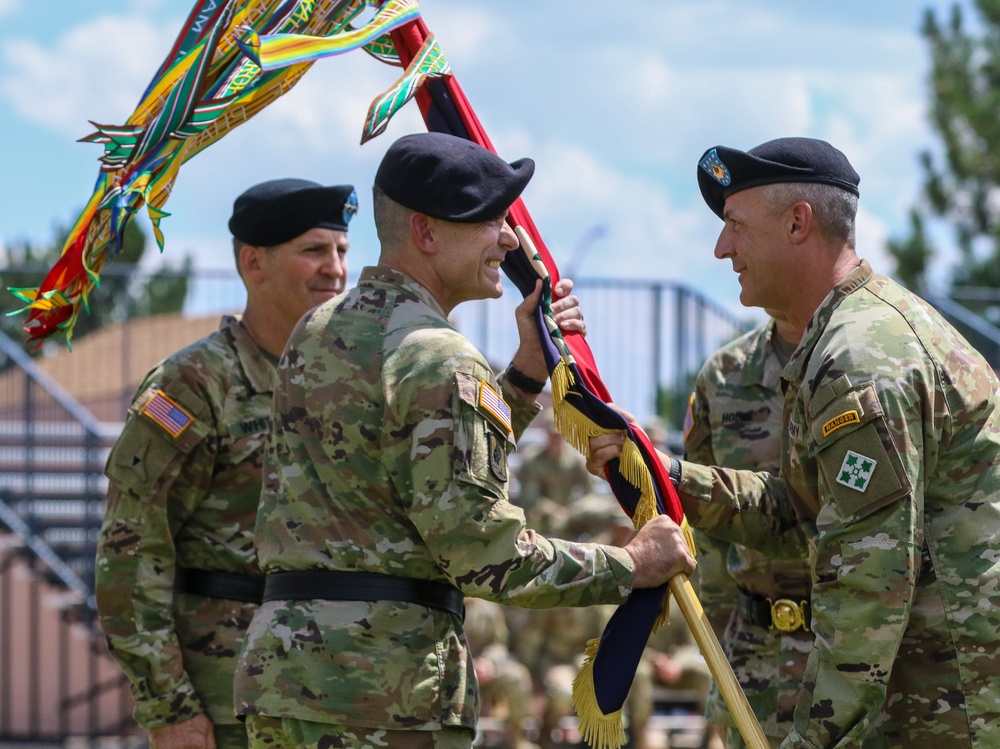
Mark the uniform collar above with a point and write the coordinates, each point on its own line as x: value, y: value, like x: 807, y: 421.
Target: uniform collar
x: 853, y: 281
x: 257, y: 366
x: 375, y: 274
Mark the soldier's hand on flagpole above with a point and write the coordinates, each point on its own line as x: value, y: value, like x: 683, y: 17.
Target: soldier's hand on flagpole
x: 603, y: 449
x: 659, y: 551
x: 566, y: 308
x: 529, y: 358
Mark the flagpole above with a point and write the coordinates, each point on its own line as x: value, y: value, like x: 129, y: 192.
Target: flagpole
x: 717, y: 662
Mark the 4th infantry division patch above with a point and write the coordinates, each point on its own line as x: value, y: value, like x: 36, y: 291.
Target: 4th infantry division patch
x: 856, y: 471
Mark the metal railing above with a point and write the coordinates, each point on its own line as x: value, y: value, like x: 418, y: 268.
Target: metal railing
x: 56, y: 677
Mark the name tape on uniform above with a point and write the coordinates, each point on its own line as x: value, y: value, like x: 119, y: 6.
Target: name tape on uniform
x: 166, y: 412
x: 493, y: 403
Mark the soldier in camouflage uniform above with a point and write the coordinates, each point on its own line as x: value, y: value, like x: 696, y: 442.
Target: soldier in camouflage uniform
x: 177, y: 579
x: 890, y: 470
x: 385, y: 479
x: 735, y: 421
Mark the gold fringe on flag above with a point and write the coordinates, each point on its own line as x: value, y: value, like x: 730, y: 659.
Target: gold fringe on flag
x: 598, y: 730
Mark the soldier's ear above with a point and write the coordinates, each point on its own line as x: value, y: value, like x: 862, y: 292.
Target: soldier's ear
x: 799, y: 221
x: 423, y: 233
x: 251, y: 263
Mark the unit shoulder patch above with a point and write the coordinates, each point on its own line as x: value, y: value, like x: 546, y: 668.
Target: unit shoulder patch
x: 856, y: 471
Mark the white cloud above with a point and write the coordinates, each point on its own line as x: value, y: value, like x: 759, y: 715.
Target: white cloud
x: 96, y: 71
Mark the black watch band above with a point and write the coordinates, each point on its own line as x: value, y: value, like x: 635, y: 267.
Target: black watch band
x: 675, y: 472
x: 520, y: 380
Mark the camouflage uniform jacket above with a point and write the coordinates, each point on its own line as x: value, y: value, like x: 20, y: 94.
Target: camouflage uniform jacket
x: 184, y: 487
x: 891, y: 475
x: 388, y: 454
x: 735, y: 421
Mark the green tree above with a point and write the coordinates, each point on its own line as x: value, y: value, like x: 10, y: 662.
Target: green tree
x: 124, y: 292
x: 962, y: 184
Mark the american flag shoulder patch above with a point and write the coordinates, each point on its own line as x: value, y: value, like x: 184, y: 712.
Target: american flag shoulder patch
x: 169, y: 414
x: 493, y: 403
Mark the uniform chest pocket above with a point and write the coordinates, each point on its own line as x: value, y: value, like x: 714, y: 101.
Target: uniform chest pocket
x: 858, y: 461
x: 483, y: 436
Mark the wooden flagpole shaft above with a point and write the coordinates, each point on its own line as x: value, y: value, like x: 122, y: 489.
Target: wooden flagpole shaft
x: 717, y: 662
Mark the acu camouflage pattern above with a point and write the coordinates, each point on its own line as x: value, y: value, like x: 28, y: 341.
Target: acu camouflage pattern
x: 906, y: 584
x: 380, y: 460
x: 736, y: 412
x: 187, y: 501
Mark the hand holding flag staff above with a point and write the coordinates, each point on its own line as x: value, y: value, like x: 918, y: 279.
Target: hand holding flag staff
x: 231, y: 59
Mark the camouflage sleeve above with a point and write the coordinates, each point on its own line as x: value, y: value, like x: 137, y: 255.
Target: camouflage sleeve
x: 868, y: 558
x: 715, y: 586
x: 156, y: 478
x: 743, y: 507
x: 459, y: 484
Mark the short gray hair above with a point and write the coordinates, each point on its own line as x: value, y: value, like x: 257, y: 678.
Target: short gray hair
x: 835, y: 209
x: 391, y: 219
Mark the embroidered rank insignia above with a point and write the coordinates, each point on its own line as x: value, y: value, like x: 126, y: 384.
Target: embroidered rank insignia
x: 498, y: 456
x: 168, y: 414
x: 492, y: 402
x: 850, y: 417
x: 712, y: 164
x: 856, y: 471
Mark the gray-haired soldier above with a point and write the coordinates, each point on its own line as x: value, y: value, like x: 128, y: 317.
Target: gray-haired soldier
x: 890, y: 471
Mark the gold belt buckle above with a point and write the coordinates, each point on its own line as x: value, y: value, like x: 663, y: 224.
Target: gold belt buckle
x: 787, y: 615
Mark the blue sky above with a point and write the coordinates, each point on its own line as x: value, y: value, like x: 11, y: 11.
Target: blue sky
x: 615, y: 110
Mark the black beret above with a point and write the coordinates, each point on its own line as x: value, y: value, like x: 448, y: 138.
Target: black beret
x: 723, y: 171
x: 281, y: 209
x: 451, y: 178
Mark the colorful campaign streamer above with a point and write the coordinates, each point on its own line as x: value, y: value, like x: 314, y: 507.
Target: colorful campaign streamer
x: 205, y: 87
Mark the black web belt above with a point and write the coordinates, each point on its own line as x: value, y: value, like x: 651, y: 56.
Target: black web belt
x: 782, y: 614
x: 335, y: 585
x: 229, y: 585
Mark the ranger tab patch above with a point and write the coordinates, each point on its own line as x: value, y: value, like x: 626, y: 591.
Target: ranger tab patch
x: 168, y: 414
x: 849, y: 417
x: 492, y: 402
x: 856, y: 471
